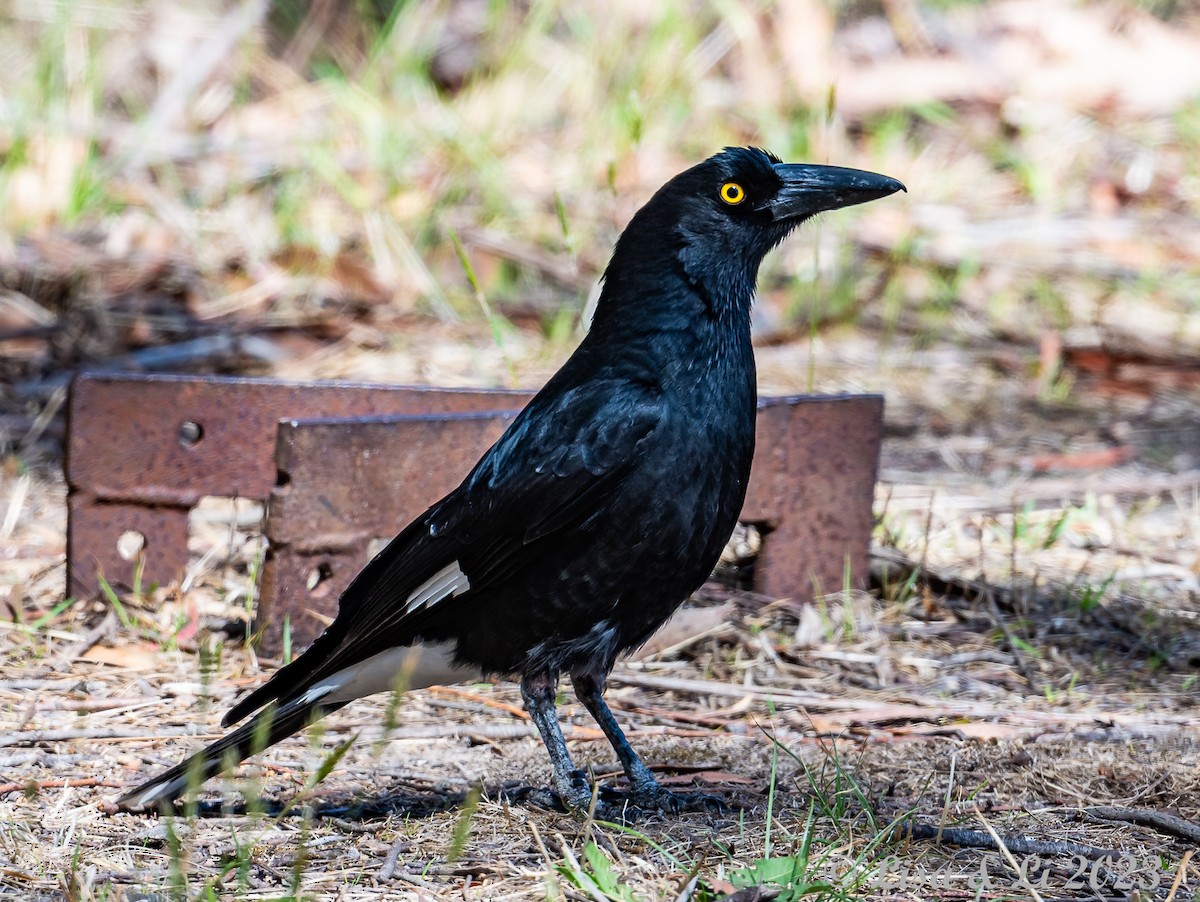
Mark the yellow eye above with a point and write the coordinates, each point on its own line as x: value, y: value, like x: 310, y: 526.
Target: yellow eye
x: 733, y: 193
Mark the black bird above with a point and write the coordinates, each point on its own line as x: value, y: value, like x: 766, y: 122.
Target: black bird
x: 601, y: 508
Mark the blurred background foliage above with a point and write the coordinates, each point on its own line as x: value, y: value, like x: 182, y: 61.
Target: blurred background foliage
x: 427, y: 191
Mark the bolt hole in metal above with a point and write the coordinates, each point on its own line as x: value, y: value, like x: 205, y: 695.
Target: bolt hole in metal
x: 318, y: 579
x: 190, y: 433
x: 130, y: 544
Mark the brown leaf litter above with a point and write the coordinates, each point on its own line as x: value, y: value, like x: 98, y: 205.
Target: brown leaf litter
x: 913, y: 710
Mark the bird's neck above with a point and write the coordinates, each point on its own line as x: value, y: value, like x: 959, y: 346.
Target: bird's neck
x: 678, y: 334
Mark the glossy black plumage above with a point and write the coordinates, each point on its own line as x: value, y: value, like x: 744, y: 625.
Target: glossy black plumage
x: 602, y: 507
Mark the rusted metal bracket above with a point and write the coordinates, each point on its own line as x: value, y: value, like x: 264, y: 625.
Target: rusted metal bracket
x: 344, y: 484
x: 343, y: 465
x: 143, y: 450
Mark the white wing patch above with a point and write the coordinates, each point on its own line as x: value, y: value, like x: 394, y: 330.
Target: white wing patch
x: 406, y: 667
x: 156, y: 791
x: 378, y: 673
x: 448, y: 581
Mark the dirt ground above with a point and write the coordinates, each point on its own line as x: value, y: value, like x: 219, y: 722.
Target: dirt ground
x: 1053, y: 716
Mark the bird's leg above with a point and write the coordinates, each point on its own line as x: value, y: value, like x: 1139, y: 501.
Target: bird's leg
x: 590, y: 691
x: 647, y: 793
x: 537, y: 691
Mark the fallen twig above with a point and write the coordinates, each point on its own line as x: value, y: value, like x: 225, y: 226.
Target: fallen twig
x: 938, y: 582
x: 51, y: 684
x: 1180, y: 874
x: 914, y: 707
x: 977, y: 839
x: 1168, y: 824
x: 402, y: 844
x: 467, y: 695
x: 160, y: 358
x: 511, y: 731
x: 6, y: 788
x: 89, y: 705
x: 33, y: 737
x: 84, y: 643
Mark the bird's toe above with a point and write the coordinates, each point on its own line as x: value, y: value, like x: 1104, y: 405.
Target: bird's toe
x: 660, y: 799
x: 574, y: 793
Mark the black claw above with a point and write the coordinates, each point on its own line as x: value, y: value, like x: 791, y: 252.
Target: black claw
x: 660, y: 799
x: 543, y: 797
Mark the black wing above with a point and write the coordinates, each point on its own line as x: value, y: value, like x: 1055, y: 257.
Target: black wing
x: 552, y: 470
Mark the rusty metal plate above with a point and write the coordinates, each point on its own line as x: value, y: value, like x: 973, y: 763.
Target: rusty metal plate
x: 813, y: 487
x: 342, y: 485
x: 142, y: 450
x: 346, y: 483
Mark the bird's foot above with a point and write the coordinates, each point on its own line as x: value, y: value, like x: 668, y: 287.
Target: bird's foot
x: 577, y: 797
x: 574, y: 793
x: 653, y: 797
x: 622, y: 806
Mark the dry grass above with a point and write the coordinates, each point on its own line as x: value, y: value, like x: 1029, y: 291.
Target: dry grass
x: 880, y: 713
x: 835, y: 722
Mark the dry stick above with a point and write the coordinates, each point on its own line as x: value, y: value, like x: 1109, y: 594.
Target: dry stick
x: 40, y: 758
x: 162, y: 357
x: 976, y: 839
x: 564, y: 271
x: 938, y: 581
x: 33, y: 737
x: 388, y: 869
x: 1055, y: 488
x: 661, y: 714
x: 522, y: 731
x: 91, y: 705
x: 1169, y: 824
x: 172, y: 101
x: 1007, y: 853
x: 6, y: 788
x: 455, y: 692
x: 922, y: 707
x: 44, y: 419
x: 437, y: 731
x: 63, y: 684
x: 312, y: 30
x: 100, y: 631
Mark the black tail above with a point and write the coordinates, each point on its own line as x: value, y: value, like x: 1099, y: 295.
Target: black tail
x: 268, y: 727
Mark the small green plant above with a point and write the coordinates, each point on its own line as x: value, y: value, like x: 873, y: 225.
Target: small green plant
x: 395, y: 700
x: 177, y: 881
x: 60, y: 608
x: 1089, y: 596
x: 462, y: 826
x: 598, y: 879
x: 286, y: 654
x: 815, y: 866
x: 791, y: 873
x: 209, y: 654
x: 497, y: 322
x: 110, y: 595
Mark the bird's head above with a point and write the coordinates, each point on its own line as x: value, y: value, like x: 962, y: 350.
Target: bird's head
x: 721, y: 217
x: 739, y: 204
